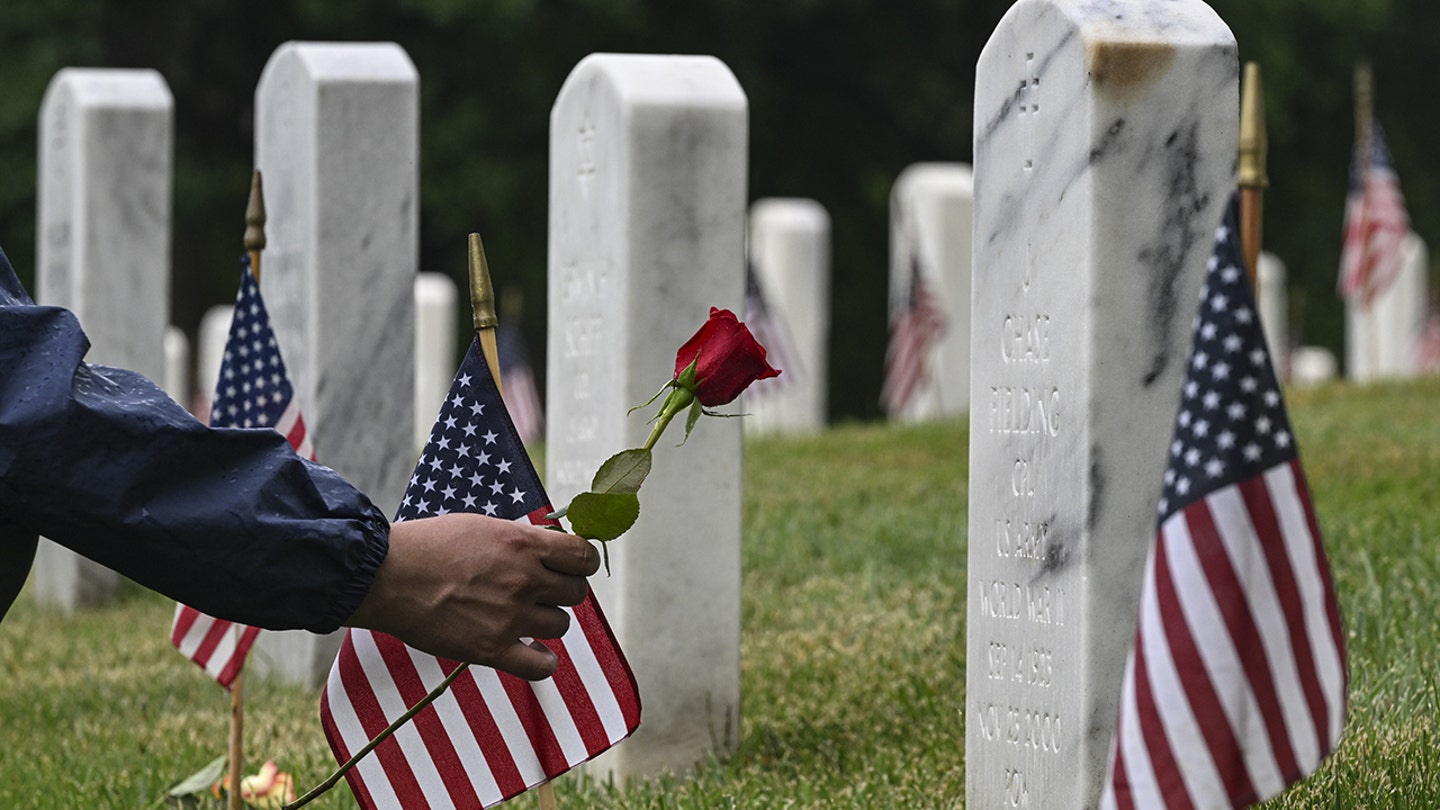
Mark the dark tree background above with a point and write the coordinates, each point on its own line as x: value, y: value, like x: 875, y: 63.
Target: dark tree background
x: 843, y: 95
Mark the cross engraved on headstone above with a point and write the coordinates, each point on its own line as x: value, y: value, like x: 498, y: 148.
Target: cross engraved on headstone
x: 1029, y: 108
x: 588, y: 168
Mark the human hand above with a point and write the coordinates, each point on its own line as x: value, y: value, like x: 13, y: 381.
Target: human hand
x: 469, y: 587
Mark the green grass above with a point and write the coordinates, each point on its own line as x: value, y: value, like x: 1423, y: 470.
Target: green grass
x: 853, y: 652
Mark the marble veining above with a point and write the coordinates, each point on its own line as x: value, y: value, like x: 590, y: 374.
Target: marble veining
x: 1104, y: 150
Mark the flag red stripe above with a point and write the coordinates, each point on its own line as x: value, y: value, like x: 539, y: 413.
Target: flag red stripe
x: 184, y: 618
x: 1152, y: 728
x: 487, y: 734
x: 360, y: 695
x: 342, y: 751
x: 1230, y: 598
x: 1194, y: 676
x: 602, y: 642
x: 536, y: 724
x: 1272, y: 542
x: 213, y: 636
x: 577, y: 700
x: 1332, y: 606
x: 1120, y: 784
x: 438, y: 746
x: 236, y: 660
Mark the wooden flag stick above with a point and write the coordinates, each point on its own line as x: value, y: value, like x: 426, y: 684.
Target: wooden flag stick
x: 254, y: 243
x: 482, y: 306
x: 1253, y: 147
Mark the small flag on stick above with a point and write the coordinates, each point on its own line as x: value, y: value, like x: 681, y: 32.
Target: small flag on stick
x: 517, y: 384
x: 770, y: 330
x: 914, y: 331
x: 1376, y: 223
x: 1236, y: 685
x: 253, y: 391
x: 491, y: 736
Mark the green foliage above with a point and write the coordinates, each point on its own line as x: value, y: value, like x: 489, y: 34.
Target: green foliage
x: 853, y: 644
x: 623, y: 472
x: 603, y: 516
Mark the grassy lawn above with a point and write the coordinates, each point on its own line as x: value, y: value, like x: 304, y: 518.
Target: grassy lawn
x: 853, y: 659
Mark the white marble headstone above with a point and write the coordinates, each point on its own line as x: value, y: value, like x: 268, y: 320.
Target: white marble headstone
x: 435, y: 348
x: 1105, y: 147
x: 1382, y: 341
x: 103, y: 249
x: 1312, y: 365
x: 214, y: 332
x: 790, y: 253
x: 930, y: 225
x: 177, y: 365
x: 647, y: 232
x: 337, y: 140
x: 1271, y: 284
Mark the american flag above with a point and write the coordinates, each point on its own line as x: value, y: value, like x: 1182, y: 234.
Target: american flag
x: 769, y: 329
x: 914, y: 331
x: 253, y: 390
x: 1236, y: 686
x: 491, y: 736
x: 517, y: 384
x: 1376, y: 223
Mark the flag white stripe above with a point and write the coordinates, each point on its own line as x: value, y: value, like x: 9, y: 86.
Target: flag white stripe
x: 527, y: 761
x: 422, y: 765
x: 562, y: 723
x: 457, y: 730
x: 190, y: 642
x: 224, y: 650
x: 1217, y: 650
x: 1144, y: 791
x: 1244, y: 547
x: 587, y: 666
x: 1188, y: 746
x: 1300, y: 546
x: 342, y: 713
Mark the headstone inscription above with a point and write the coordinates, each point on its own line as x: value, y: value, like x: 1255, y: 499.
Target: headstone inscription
x: 789, y: 253
x: 103, y: 249
x: 337, y: 141
x: 647, y: 232
x: 1105, y: 147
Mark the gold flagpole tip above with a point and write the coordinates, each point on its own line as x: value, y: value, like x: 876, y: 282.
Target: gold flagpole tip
x: 255, y: 215
x: 1254, y: 143
x: 482, y: 292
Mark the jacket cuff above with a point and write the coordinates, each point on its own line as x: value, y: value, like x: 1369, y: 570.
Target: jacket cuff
x: 375, y: 536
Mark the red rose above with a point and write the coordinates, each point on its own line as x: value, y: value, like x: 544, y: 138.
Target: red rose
x: 729, y: 359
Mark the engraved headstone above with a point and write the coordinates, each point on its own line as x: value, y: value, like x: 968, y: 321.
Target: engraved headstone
x: 337, y: 139
x: 1105, y: 147
x: 103, y: 249
x: 790, y: 255
x: 930, y: 213
x: 1382, y: 341
x: 647, y: 232
x: 435, y: 348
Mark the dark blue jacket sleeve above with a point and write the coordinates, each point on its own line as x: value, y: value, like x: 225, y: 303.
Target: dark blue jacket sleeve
x: 230, y: 521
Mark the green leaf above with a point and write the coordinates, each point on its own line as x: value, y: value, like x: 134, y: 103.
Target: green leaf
x: 603, y: 516
x: 557, y: 514
x: 623, y: 472
x: 667, y: 386
x: 201, y: 780
x: 695, y: 411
